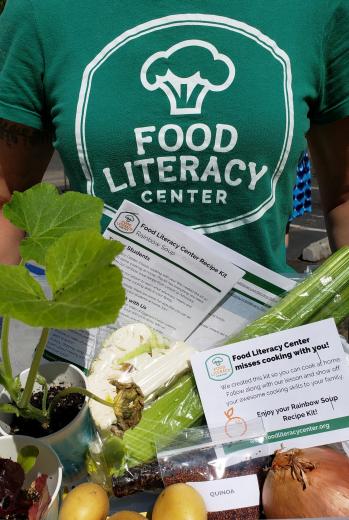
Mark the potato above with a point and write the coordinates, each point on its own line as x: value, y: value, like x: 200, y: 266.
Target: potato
x: 87, y: 501
x: 126, y: 515
x: 179, y: 502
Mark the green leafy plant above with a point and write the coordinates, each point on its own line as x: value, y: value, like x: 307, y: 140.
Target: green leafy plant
x: 63, y: 235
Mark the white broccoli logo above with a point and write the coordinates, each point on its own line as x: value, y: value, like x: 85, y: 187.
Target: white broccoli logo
x: 172, y: 72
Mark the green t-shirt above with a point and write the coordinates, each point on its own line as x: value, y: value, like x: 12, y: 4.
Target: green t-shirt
x: 195, y: 110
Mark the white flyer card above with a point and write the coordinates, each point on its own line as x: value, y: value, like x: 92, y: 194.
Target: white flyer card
x: 172, y: 278
x: 229, y: 493
x: 296, y: 380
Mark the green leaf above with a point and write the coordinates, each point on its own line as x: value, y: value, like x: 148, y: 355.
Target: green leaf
x: 64, y: 236
x: 113, y: 451
x: 46, y: 215
x: 41, y: 380
x: 86, y: 286
x: 27, y: 457
x: 17, y: 385
x: 20, y: 293
x: 77, y: 256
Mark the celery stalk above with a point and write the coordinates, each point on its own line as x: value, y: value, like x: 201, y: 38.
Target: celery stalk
x: 337, y: 308
x: 306, y: 300
x: 177, y: 409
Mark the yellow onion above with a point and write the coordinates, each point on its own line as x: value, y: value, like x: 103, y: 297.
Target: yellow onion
x: 309, y: 483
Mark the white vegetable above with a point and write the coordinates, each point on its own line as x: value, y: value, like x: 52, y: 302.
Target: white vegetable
x: 134, y: 353
x: 162, y: 368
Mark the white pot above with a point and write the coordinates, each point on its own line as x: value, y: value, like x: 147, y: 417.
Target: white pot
x: 47, y: 463
x: 71, y: 442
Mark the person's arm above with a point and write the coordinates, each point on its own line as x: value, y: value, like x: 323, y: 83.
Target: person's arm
x: 329, y: 150
x: 24, y: 155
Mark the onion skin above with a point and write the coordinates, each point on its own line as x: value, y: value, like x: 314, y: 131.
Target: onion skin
x: 322, y: 488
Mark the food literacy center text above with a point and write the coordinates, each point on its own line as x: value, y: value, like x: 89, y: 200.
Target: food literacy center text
x: 277, y: 353
x: 172, y: 244
x: 184, y: 168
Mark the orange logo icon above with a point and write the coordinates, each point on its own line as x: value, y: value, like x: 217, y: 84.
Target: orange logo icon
x: 233, y: 420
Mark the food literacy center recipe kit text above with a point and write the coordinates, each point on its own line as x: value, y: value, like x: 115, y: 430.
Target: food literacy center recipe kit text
x: 173, y: 279
x: 296, y: 380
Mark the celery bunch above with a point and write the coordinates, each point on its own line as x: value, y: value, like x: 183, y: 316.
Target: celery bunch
x: 324, y: 294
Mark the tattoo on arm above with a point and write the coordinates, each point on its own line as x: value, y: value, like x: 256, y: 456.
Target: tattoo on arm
x: 14, y: 133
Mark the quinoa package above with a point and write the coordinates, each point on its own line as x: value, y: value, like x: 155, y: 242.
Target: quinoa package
x: 229, y: 474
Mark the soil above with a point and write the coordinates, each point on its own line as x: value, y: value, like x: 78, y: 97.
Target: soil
x: 15, y: 517
x: 66, y: 410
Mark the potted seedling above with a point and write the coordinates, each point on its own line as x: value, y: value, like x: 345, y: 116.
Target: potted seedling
x: 85, y: 291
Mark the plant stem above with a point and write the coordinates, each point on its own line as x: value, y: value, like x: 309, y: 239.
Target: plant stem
x: 4, y: 347
x: 44, y: 398
x: 31, y: 412
x: 76, y: 390
x: 28, y: 389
